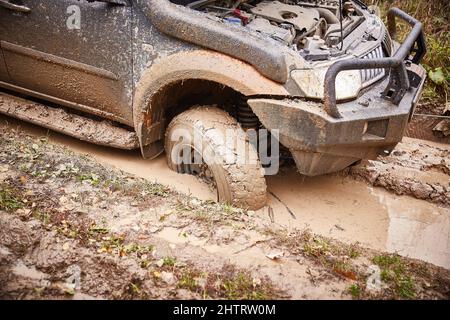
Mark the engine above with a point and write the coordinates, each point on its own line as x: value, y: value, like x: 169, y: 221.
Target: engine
x: 310, y: 26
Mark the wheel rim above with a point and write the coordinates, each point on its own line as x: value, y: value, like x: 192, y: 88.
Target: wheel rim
x: 200, y: 170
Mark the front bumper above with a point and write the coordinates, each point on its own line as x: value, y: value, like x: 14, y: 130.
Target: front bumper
x: 321, y: 143
x: 328, y: 137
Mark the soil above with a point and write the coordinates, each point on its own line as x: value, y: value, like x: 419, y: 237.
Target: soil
x: 426, y: 127
x: 418, y: 168
x: 72, y: 228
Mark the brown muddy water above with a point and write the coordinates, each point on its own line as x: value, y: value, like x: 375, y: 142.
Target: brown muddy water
x: 333, y: 206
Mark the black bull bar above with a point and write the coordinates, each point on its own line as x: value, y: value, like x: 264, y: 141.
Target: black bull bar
x: 399, y: 78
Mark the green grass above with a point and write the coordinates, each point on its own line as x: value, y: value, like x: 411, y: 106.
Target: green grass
x: 353, y: 252
x: 241, y: 286
x: 229, y: 283
x: 388, y: 260
x: 406, y: 288
x: 93, y: 178
x: 395, y: 273
x: 136, y: 291
x: 10, y: 198
x: 435, y: 18
x: 316, y: 247
x: 169, y: 261
x: 157, y: 189
x: 227, y: 208
x: 138, y: 249
x: 96, y: 229
x: 187, y: 281
x: 355, y: 291
x: 43, y: 216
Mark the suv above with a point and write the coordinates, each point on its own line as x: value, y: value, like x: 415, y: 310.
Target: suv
x: 325, y: 75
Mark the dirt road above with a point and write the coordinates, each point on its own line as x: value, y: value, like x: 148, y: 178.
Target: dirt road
x: 338, y: 206
x: 75, y: 228
x: 71, y: 228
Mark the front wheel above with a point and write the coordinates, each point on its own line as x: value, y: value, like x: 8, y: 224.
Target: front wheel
x: 208, y: 142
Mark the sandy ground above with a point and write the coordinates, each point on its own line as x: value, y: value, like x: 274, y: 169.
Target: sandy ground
x: 78, y: 227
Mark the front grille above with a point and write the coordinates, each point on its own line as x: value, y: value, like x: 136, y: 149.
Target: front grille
x: 387, y: 44
x: 369, y: 76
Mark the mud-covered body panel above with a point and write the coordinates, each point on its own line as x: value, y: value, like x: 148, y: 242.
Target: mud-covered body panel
x: 77, y: 52
x: 123, y: 56
x: 177, y: 21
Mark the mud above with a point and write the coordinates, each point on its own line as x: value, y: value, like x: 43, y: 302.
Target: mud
x: 57, y: 119
x: 423, y: 127
x: 160, y: 86
x: 416, y: 167
x: 349, y: 210
x: 71, y: 228
x: 337, y: 206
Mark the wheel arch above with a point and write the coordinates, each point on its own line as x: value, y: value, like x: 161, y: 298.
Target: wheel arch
x: 164, y: 80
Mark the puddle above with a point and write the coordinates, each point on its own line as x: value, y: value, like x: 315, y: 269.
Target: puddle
x: 417, y: 229
x: 350, y: 210
x: 333, y: 206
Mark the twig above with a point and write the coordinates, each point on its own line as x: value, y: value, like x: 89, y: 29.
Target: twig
x: 289, y: 210
x: 252, y: 245
x: 270, y: 213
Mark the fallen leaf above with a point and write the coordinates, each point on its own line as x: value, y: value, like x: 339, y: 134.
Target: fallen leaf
x: 154, y: 229
x: 275, y: 255
x: 437, y: 76
x: 347, y: 274
x: 168, y: 277
x: 160, y: 263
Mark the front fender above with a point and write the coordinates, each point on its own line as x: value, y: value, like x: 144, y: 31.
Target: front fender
x: 197, y: 64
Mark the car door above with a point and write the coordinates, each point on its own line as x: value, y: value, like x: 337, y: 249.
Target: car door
x: 73, y: 52
x: 3, y: 71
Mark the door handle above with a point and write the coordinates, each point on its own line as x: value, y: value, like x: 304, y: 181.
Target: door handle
x: 14, y: 7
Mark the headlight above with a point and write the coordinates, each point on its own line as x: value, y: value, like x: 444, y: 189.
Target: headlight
x: 311, y: 82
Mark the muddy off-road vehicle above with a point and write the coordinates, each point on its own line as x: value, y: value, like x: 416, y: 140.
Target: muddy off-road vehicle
x: 327, y: 75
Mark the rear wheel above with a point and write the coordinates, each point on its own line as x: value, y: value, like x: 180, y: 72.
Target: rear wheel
x: 208, y: 142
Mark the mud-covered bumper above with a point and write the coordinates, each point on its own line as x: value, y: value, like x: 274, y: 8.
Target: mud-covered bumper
x: 329, y: 136
x: 321, y: 143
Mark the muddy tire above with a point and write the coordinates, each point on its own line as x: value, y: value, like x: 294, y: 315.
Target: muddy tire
x: 240, y: 183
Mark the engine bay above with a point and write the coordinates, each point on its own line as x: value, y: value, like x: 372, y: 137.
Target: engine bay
x: 310, y: 26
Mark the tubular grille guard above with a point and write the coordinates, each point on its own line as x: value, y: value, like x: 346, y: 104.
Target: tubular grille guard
x: 398, y: 81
